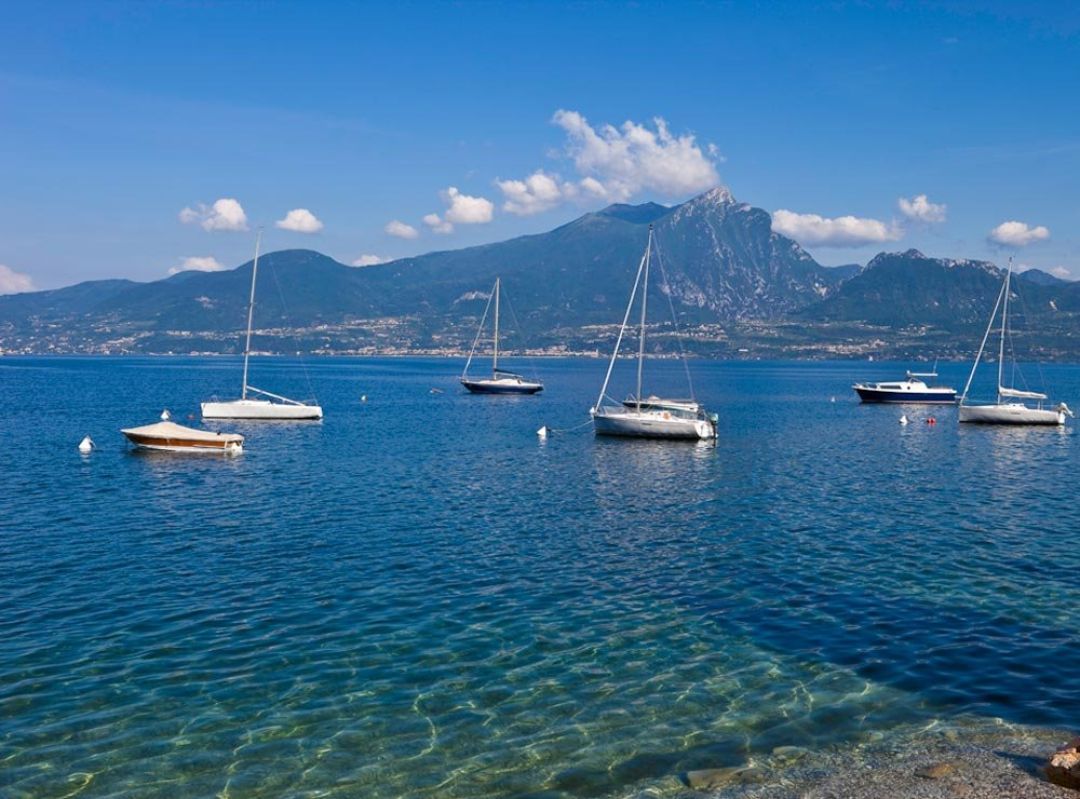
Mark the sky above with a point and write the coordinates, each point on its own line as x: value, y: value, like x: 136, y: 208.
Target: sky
x: 141, y: 138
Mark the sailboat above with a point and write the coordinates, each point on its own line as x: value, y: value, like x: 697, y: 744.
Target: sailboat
x: 501, y: 381
x: 1010, y: 407
x: 652, y: 416
x: 263, y: 406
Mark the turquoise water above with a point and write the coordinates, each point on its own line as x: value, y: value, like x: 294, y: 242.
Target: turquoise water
x: 418, y: 597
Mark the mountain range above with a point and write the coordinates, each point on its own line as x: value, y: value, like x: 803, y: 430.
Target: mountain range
x: 736, y: 287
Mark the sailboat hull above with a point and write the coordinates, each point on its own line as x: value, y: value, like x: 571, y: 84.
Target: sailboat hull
x: 502, y: 386
x: 259, y: 410
x: 1010, y: 413
x: 650, y: 424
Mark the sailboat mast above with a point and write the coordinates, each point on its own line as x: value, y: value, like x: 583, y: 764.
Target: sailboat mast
x: 622, y: 331
x: 644, y: 303
x: 982, y: 346
x: 495, y: 358
x: 251, y: 310
x: 1004, y: 322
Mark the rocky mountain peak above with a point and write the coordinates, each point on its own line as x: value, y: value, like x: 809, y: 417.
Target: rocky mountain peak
x: 721, y: 195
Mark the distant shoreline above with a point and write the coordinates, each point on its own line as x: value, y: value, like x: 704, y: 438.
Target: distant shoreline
x: 590, y: 356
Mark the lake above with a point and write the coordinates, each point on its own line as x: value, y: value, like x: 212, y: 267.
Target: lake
x: 419, y: 597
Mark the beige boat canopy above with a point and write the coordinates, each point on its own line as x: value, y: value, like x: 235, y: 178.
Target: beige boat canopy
x: 171, y: 430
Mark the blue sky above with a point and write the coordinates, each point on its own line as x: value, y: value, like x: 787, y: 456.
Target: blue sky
x: 116, y: 117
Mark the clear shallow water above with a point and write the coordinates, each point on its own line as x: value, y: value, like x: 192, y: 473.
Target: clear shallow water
x: 417, y: 597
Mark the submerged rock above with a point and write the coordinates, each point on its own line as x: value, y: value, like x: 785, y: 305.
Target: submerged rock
x: 709, y: 779
x: 936, y: 771
x: 1063, y: 767
x: 789, y: 754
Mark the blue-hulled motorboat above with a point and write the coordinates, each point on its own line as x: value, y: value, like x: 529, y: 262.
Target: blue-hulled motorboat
x: 912, y: 389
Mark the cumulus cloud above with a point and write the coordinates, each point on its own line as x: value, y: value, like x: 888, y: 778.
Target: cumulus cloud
x: 841, y: 231
x: 368, y: 260
x: 224, y: 214
x: 594, y: 187
x: 1018, y: 234
x: 403, y: 231
x: 620, y: 162
x: 196, y: 263
x: 438, y: 224
x: 537, y: 193
x: 300, y: 220
x: 1063, y: 272
x: 920, y: 209
x: 465, y: 210
x: 12, y: 282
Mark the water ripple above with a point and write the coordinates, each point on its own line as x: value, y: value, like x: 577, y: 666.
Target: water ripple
x: 417, y: 597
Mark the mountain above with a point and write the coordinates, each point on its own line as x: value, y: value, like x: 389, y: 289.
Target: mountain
x: 1042, y: 278
x: 846, y: 271
x: 908, y: 288
x: 721, y: 259
x: 735, y: 285
x: 896, y: 288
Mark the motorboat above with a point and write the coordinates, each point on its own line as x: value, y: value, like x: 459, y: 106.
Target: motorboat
x: 172, y: 437
x: 912, y: 389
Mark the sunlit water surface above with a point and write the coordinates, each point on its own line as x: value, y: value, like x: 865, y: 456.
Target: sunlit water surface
x: 419, y: 597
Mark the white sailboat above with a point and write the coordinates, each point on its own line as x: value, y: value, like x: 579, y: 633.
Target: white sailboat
x: 1010, y: 407
x: 501, y: 381
x: 652, y: 416
x: 263, y: 406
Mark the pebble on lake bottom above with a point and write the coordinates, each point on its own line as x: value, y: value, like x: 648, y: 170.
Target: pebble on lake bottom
x: 981, y: 761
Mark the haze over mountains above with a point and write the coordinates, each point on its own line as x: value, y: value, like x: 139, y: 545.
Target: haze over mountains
x: 736, y: 286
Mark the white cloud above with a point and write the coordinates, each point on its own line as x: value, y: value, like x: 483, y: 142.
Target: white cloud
x: 537, y: 193
x: 368, y: 260
x: 920, y: 209
x: 198, y: 264
x: 397, y: 228
x: 300, y: 220
x: 465, y: 210
x: 438, y: 224
x: 620, y: 162
x: 224, y: 214
x: 12, y: 282
x: 1018, y: 234
x: 594, y: 187
x: 1063, y: 272
x: 842, y: 231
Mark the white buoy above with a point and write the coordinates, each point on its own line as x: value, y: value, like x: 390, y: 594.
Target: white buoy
x: 165, y: 415
x: 904, y: 419
x: 86, y: 446
x: 542, y: 432
x: 363, y: 397
x: 832, y: 399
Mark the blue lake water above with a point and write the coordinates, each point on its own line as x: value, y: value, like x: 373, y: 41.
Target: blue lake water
x: 418, y: 597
